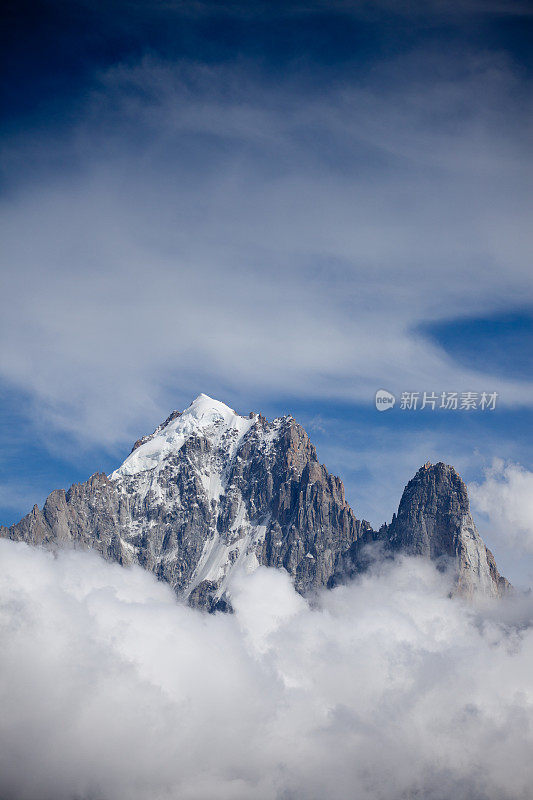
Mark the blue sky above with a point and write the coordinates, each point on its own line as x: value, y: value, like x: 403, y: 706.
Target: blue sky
x: 284, y: 205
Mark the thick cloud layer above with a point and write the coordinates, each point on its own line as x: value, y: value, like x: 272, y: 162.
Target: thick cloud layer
x: 506, y: 497
x: 384, y: 689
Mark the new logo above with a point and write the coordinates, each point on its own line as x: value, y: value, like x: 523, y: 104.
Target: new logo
x: 384, y: 400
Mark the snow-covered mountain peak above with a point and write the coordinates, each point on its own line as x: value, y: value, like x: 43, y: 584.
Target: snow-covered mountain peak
x: 210, y: 494
x: 207, y: 411
x: 204, y: 417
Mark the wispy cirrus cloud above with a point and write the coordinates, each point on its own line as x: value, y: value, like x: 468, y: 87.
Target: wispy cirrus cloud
x: 209, y: 229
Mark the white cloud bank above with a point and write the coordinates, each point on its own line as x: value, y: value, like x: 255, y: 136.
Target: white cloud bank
x: 386, y: 690
x: 506, y: 497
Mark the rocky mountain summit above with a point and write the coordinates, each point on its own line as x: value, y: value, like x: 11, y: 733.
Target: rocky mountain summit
x: 210, y: 492
x: 434, y: 520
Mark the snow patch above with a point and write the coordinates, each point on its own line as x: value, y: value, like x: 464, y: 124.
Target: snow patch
x: 204, y: 416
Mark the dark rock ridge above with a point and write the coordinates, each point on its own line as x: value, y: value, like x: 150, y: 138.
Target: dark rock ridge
x: 211, y: 492
x: 434, y: 520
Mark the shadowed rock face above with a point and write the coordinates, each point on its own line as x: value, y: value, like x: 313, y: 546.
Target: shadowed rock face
x: 434, y: 520
x: 210, y: 492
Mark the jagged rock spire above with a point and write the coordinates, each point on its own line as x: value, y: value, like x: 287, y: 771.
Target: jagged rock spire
x: 434, y: 520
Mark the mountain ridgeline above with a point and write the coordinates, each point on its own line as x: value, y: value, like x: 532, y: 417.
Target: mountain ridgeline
x: 211, y: 492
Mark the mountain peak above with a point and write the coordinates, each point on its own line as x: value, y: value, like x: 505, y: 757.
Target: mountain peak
x: 203, y: 403
x: 439, y: 486
x: 203, y: 417
x: 434, y: 520
x: 211, y: 493
x: 440, y: 467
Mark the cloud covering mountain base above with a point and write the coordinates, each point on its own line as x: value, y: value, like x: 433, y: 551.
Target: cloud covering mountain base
x: 382, y: 689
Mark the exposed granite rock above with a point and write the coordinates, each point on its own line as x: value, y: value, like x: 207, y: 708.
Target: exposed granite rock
x: 434, y: 520
x: 210, y: 492
x: 231, y: 494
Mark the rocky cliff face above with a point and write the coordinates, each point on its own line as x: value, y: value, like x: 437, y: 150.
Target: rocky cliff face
x: 211, y: 492
x: 207, y: 493
x: 434, y: 520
